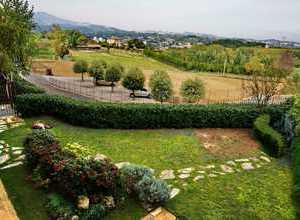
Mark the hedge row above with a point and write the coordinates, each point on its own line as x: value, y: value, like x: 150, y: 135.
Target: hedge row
x: 23, y: 87
x: 296, y: 167
x: 140, y: 116
x: 272, y: 140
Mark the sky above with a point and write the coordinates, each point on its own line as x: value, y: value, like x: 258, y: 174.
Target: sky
x: 258, y: 19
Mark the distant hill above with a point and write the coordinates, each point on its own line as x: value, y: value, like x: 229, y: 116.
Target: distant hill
x: 44, y: 22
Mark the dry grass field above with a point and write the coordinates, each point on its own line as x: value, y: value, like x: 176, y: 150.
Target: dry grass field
x: 218, y: 88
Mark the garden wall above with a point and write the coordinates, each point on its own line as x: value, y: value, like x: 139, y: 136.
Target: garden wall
x: 142, y: 116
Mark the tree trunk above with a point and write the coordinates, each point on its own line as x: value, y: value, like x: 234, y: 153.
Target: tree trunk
x: 82, y: 79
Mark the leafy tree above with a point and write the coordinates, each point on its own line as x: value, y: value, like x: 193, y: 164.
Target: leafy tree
x: 97, y: 71
x: 161, y: 86
x: 266, y: 76
x: 75, y: 38
x: 16, y: 23
x: 192, y: 90
x: 113, y: 74
x: 81, y: 66
x: 134, y: 80
x: 136, y: 44
x: 59, y: 41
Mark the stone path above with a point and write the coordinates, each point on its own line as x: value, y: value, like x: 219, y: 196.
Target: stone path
x: 9, y: 157
x: 200, y: 173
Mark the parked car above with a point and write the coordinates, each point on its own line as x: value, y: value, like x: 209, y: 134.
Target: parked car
x: 143, y: 93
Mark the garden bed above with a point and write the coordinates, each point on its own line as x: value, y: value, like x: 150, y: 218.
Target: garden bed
x: 247, y: 193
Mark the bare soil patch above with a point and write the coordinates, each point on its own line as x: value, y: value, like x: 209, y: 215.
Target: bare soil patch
x: 228, y: 142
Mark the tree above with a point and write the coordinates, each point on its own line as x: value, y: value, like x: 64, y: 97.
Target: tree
x: 75, y: 38
x: 113, y: 74
x: 266, y: 76
x: 192, y: 90
x: 59, y: 41
x: 16, y: 23
x: 161, y: 86
x: 97, y: 71
x: 81, y: 66
x: 136, y: 44
x: 134, y: 80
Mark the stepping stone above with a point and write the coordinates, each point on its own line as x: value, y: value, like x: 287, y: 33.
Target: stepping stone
x: 201, y: 172
x: 2, y: 142
x: 227, y: 169
x: 248, y: 166
x: 18, y: 152
x: 22, y: 157
x: 242, y: 160
x: 258, y: 166
x: 254, y: 159
x: 197, y: 178
x: 185, y: 184
x: 232, y: 163
x: 212, y: 175
x: 167, y: 175
x: 12, y: 165
x: 186, y: 170
x: 174, y: 192
x: 265, y: 159
x: 184, y: 175
x: 220, y: 173
x: 122, y: 164
x: 4, y: 159
x: 210, y: 167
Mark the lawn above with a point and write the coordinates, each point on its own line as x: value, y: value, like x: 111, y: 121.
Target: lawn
x: 263, y: 193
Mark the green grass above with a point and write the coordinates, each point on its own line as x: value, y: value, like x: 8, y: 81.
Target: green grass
x: 28, y: 202
x: 128, y: 59
x: 261, y: 194
x: 44, y: 53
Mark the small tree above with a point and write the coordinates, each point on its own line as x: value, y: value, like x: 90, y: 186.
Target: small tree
x: 134, y: 80
x: 61, y: 50
x: 192, y: 90
x: 266, y: 76
x: 113, y: 75
x: 161, y: 86
x: 81, y: 66
x: 97, y: 71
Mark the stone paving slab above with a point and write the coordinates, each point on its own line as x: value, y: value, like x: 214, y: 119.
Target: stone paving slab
x: 7, y: 211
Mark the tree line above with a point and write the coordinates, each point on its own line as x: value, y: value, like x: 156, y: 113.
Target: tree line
x: 211, y: 58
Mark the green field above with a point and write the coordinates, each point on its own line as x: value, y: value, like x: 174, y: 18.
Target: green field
x: 126, y: 58
x: 264, y: 193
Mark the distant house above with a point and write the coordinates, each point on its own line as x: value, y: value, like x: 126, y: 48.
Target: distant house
x: 114, y: 41
x: 89, y: 47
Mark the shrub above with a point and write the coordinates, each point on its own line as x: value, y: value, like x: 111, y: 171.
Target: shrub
x: 161, y: 86
x: 113, y: 74
x: 58, y: 208
x: 272, y: 140
x: 80, y: 66
x: 134, y: 80
x: 95, y: 212
x: 153, y: 191
x: 141, y: 116
x: 23, y: 87
x: 70, y: 175
x: 192, y: 90
x: 132, y: 174
x: 296, y: 168
x: 39, y: 137
x: 97, y: 71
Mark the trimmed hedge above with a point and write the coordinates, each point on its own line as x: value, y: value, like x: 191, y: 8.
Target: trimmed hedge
x: 296, y: 168
x: 23, y: 87
x: 141, y: 116
x: 272, y: 140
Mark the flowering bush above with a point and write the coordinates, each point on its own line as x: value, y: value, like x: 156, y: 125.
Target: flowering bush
x: 68, y: 174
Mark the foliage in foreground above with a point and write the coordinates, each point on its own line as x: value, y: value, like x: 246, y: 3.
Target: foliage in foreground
x: 270, y: 138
